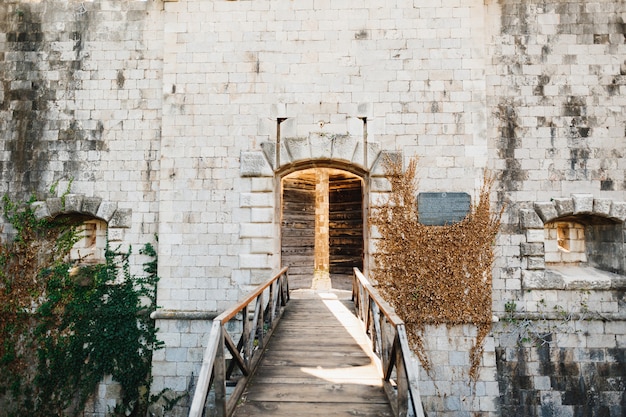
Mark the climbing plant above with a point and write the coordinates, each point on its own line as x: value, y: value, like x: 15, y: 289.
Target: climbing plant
x: 435, y: 274
x: 63, y: 326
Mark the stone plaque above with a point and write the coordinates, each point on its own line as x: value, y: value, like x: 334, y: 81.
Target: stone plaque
x: 438, y: 209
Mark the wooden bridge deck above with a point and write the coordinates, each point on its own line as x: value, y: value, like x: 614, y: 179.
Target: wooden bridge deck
x: 317, y: 363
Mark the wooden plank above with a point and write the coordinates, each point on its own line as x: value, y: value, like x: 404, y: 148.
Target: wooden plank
x: 329, y: 359
x: 358, y: 378
x: 293, y: 409
x: 354, y: 374
x: 317, y: 363
x: 317, y: 393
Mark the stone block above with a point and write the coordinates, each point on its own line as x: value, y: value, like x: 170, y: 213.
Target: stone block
x: 253, y: 261
x: 344, y: 147
x: 255, y: 164
x: 535, y: 235
x: 378, y: 166
x: 285, y: 157
x: 256, y: 230
x: 256, y: 199
x: 122, y: 218
x: 547, y: 211
x: 529, y: 219
x: 564, y: 206
x: 602, y: 206
x: 618, y: 210
x: 321, y: 145
x: 55, y: 206
x: 298, y: 148
x: 269, y: 150
x: 261, y: 215
x: 278, y: 111
x: 456, y: 358
x: 532, y: 249
x: 535, y: 262
x: 373, y: 152
x: 365, y: 110
x: 538, y: 279
x: 106, y: 210
x: 40, y: 209
x: 73, y: 203
x: 115, y: 234
x: 91, y: 204
x: 583, y: 203
x: 355, y: 126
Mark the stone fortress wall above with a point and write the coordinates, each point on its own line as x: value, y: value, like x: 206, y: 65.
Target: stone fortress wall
x: 183, y: 115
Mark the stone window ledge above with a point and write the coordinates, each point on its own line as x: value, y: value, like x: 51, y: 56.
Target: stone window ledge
x: 571, y: 277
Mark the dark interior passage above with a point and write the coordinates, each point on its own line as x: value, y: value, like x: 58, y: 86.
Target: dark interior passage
x: 322, y: 217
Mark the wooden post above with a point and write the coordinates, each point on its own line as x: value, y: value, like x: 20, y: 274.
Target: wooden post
x: 219, y: 380
x: 403, y: 386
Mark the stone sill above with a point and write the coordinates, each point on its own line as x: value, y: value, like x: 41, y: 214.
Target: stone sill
x: 556, y: 316
x: 183, y: 315
x: 562, y: 277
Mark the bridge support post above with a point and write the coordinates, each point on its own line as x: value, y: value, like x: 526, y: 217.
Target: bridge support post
x: 220, y: 377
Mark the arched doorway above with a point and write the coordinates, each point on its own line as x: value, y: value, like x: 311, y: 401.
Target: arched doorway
x: 322, y: 227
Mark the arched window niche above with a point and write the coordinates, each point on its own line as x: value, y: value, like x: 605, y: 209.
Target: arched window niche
x: 573, y: 243
x: 98, y: 222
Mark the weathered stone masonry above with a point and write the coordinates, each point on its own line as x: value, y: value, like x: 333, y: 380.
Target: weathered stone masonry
x: 186, y: 114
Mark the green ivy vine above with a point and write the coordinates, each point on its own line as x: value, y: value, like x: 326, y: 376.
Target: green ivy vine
x: 63, y: 326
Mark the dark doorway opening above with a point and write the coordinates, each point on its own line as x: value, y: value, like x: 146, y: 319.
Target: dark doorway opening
x: 322, y: 227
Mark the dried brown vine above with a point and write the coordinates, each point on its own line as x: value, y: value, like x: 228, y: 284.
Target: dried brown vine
x: 435, y: 274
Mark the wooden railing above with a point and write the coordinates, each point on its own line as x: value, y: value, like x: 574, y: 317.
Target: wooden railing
x: 220, y: 368
x: 389, y: 342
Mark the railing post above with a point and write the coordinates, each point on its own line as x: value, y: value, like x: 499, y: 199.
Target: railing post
x: 245, y: 335
x: 261, y: 323
x: 401, y: 380
x: 219, y: 380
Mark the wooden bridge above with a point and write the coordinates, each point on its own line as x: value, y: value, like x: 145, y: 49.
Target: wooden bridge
x: 306, y: 353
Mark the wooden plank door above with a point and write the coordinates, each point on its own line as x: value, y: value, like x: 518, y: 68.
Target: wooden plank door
x: 346, y: 227
x: 298, y: 229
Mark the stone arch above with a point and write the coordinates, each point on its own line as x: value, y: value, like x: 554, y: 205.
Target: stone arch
x: 117, y: 219
x: 603, y: 221
x: 343, y: 151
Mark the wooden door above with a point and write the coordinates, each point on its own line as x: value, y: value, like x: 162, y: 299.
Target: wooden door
x: 298, y: 229
x: 346, y: 227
